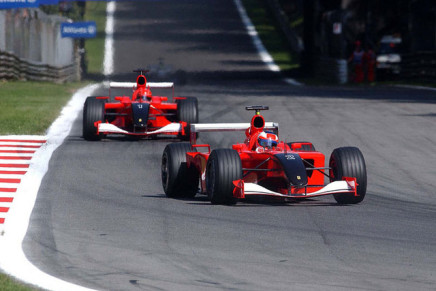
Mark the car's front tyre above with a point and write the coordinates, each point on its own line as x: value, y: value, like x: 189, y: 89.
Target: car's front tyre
x: 93, y: 111
x: 348, y: 162
x: 223, y: 167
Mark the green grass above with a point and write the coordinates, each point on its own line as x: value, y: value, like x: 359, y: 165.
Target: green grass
x: 96, y: 11
x: 9, y: 284
x: 271, y: 35
x: 31, y: 107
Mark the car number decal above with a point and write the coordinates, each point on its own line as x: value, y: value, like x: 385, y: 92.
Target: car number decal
x: 290, y: 157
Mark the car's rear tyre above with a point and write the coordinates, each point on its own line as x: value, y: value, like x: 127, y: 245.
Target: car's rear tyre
x: 177, y: 179
x: 223, y: 167
x: 348, y: 162
x: 93, y: 111
x: 187, y: 111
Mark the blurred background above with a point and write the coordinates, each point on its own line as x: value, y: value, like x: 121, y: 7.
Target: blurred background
x: 394, y: 40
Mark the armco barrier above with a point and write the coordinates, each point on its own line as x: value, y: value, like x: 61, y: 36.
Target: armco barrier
x: 419, y: 66
x: 332, y: 70
x: 12, y: 67
x: 31, y: 47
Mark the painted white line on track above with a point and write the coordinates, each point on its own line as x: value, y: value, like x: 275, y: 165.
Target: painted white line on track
x: 16, y: 149
x: 21, y: 147
x: 263, y: 53
x: 9, y: 176
x: 17, y: 155
x: 19, y: 144
x: 39, y: 138
x: 108, y: 63
x: 6, y: 194
x: 17, y: 162
x: 5, y: 204
x: 12, y: 258
x: 8, y: 185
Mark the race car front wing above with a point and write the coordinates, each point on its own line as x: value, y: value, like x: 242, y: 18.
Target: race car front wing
x: 108, y: 128
x: 347, y: 185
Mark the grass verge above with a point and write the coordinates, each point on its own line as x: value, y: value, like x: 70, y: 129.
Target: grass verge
x: 9, y: 284
x: 271, y: 35
x: 31, y: 107
x: 96, y: 11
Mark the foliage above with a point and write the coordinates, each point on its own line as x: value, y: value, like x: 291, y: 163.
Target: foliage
x: 95, y: 11
x: 71, y: 10
x: 271, y: 35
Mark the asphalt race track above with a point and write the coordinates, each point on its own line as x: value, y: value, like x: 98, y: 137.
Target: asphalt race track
x: 102, y: 221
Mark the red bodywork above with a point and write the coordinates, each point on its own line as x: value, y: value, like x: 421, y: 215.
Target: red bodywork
x: 261, y: 167
x: 161, y: 112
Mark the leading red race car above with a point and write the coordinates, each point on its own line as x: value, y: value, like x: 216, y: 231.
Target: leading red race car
x: 261, y: 165
x: 141, y: 114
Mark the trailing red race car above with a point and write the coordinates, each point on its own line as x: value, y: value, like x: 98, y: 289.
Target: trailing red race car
x: 141, y: 114
x: 261, y: 165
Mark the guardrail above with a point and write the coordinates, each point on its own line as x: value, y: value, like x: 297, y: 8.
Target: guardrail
x: 332, y: 70
x: 14, y: 68
x: 31, y: 47
x: 420, y: 65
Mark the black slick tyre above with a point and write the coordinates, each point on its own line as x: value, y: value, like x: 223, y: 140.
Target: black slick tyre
x: 348, y: 162
x: 223, y: 167
x: 93, y: 111
x: 187, y: 111
x: 177, y: 179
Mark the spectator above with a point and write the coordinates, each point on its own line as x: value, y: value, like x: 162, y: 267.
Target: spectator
x: 369, y: 61
x: 356, y: 59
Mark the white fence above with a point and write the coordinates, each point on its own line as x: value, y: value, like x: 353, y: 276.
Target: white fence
x: 31, y: 47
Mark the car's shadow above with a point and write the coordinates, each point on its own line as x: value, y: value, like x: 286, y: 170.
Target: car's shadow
x: 129, y: 138
x: 257, y: 201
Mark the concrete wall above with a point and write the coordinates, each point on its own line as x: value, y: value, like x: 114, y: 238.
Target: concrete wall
x: 34, y: 38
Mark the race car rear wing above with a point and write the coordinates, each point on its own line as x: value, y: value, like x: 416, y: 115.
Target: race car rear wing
x: 214, y: 127
x: 132, y: 85
x: 163, y: 85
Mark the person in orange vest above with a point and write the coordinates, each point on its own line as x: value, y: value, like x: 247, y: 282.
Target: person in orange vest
x: 370, y: 64
x: 357, y: 58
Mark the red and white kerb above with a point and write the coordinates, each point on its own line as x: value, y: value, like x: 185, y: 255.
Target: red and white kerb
x: 15, y: 157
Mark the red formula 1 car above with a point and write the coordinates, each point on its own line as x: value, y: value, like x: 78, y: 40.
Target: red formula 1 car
x: 262, y: 165
x: 141, y: 114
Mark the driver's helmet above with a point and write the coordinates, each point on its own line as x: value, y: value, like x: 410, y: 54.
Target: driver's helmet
x: 267, y: 139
